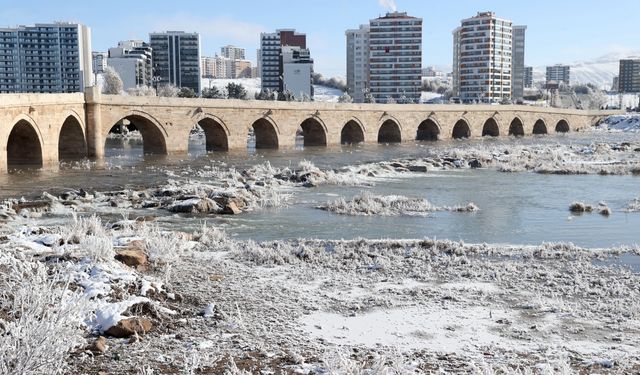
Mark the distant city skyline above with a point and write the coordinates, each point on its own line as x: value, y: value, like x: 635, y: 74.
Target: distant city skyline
x: 557, y: 32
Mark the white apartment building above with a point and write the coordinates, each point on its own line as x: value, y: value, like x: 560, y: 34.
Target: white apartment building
x: 297, y: 67
x: 395, y: 57
x: 483, y: 60
x: 132, y: 60
x: 358, y: 62
x: 232, y: 52
x: 46, y: 58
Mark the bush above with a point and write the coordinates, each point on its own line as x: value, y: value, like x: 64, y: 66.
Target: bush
x: 186, y: 92
x: 236, y: 91
x: 213, y: 93
x: 112, y: 84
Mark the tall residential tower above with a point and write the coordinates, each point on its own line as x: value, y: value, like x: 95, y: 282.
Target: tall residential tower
x: 358, y: 62
x: 517, y: 62
x: 395, y: 57
x: 176, y: 58
x: 45, y: 58
x: 483, y: 58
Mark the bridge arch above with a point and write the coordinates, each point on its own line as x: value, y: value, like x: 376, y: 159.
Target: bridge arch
x: 540, y: 127
x: 490, y: 128
x: 461, y: 129
x: 516, y: 128
x: 314, y: 132
x: 24, y: 144
x: 390, y: 132
x: 428, y: 130
x: 154, y: 136
x: 352, y: 132
x: 266, y: 132
x: 72, y: 142
x: 216, y: 133
x: 562, y: 126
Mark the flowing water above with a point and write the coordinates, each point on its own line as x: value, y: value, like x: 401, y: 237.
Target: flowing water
x: 516, y: 208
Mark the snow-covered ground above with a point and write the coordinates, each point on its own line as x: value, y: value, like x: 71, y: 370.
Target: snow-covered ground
x: 325, y: 94
x: 625, y: 123
x: 253, y: 86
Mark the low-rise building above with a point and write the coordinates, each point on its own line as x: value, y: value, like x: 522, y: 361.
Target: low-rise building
x: 132, y: 60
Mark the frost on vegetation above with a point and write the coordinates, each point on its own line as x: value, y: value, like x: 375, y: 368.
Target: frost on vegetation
x: 41, y: 319
x: 368, y: 204
x: 633, y: 206
x: 340, y: 362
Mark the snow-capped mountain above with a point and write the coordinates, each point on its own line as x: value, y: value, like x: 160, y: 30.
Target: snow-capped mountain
x: 599, y: 71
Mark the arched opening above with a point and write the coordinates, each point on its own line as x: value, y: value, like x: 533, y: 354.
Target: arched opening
x: 351, y: 133
x: 71, y: 143
x: 214, y: 134
x: 389, y: 132
x: 134, y: 130
x: 516, y: 128
x: 461, y: 130
x: 265, y: 134
x: 562, y: 127
x: 23, y: 147
x: 490, y: 128
x: 428, y: 130
x: 540, y: 127
x: 313, y: 133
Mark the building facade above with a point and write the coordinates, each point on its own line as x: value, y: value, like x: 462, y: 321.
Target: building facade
x: 99, y: 61
x: 395, y: 58
x: 241, y: 68
x: 455, y: 71
x: 232, y: 52
x: 46, y: 58
x: 297, y: 67
x: 358, y: 62
x: 273, y: 57
x: 132, y: 60
x: 517, y: 61
x: 483, y: 59
x: 176, y: 58
x: 528, y: 77
x: 559, y: 74
x: 629, y: 76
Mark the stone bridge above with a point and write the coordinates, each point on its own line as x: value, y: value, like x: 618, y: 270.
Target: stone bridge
x: 42, y: 129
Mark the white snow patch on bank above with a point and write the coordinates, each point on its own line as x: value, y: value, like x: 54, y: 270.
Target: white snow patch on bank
x: 621, y: 123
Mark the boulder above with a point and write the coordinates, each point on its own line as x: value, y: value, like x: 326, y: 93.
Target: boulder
x: 418, y: 168
x: 33, y: 206
x: 475, y: 163
x: 195, y: 205
x: 231, y: 209
x: 99, y: 346
x: 132, y: 257
x: 129, y: 326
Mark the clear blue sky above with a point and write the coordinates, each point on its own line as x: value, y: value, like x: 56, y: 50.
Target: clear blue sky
x: 558, y: 31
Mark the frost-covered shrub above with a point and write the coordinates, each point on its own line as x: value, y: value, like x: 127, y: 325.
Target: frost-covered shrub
x: 112, y: 83
x: 44, y: 319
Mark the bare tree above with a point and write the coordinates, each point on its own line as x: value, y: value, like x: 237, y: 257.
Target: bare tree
x: 345, y: 98
x: 142, y: 91
x: 168, y: 90
x: 112, y: 83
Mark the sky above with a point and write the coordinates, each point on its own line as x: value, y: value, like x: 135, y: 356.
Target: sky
x: 558, y: 31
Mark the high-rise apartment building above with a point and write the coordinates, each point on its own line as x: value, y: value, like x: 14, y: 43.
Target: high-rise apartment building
x: 176, y: 58
x: 559, y: 74
x: 395, y: 57
x: 358, y: 62
x: 517, y: 61
x: 46, y: 58
x: 483, y: 58
x: 132, y: 60
x: 272, y: 64
x: 99, y: 61
x: 232, y: 52
x: 528, y: 77
x: 629, y: 76
x: 455, y: 72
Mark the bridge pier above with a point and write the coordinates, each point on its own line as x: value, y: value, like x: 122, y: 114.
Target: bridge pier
x: 93, y: 110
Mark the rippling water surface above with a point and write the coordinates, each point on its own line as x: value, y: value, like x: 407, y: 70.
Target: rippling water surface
x: 519, y: 208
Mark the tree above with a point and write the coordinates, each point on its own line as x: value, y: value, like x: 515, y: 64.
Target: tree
x: 368, y: 98
x: 112, y: 84
x: 345, y: 98
x: 168, y: 90
x: 285, y: 96
x: 236, y: 91
x: 391, y: 100
x: 265, y: 94
x: 212, y: 93
x: 186, y: 92
x: 142, y: 91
